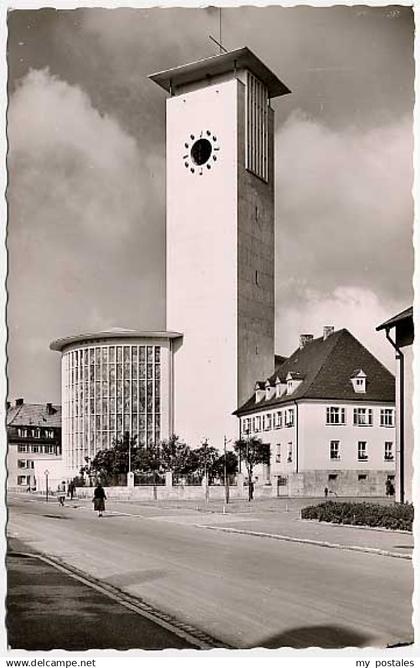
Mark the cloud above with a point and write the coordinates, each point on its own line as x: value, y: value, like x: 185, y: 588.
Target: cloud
x: 344, y: 215
x: 356, y: 309
x: 85, y: 242
x: 70, y: 165
x: 344, y: 206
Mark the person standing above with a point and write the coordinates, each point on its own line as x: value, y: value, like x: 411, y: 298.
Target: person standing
x: 71, y: 489
x: 61, y: 493
x: 99, y: 497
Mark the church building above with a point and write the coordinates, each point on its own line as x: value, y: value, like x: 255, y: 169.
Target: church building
x: 219, y: 332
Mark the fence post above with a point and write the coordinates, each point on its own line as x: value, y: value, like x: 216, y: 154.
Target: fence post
x: 240, y: 484
x: 168, y: 479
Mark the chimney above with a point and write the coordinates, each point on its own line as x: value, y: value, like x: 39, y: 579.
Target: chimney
x: 50, y: 409
x: 19, y: 402
x: 304, y: 339
x: 328, y: 329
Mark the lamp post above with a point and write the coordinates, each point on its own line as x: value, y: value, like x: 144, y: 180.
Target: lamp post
x: 46, y: 472
x: 206, y: 482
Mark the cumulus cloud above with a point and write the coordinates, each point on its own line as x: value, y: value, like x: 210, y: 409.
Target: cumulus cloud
x: 344, y: 218
x: 85, y: 242
x: 356, y: 309
x: 70, y: 164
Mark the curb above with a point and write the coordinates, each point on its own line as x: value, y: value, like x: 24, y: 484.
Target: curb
x: 194, y: 636
x: 308, y: 541
x: 359, y: 526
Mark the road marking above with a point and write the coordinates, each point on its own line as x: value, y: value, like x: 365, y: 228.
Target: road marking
x: 308, y: 541
x: 194, y: 636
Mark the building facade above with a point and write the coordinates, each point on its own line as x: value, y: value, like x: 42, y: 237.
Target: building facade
x: 114, y: 382
x: 328, y: 414
x: 33, y: 437
x: 219, y: 236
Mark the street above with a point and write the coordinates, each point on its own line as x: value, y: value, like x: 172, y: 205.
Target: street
x: 243, y: 590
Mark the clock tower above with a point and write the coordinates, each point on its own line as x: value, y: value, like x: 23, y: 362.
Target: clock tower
x: 219, y: 237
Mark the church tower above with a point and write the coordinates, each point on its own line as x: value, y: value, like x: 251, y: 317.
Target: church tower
x: 219, y: 237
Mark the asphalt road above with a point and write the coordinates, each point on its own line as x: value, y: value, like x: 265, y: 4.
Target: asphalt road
x: 244, y: 591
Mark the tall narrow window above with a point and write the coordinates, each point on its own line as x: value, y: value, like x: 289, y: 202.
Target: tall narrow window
x: 256, y: 127
x: 362, y: 451
x: 334, y: 449
x: 389, y: 453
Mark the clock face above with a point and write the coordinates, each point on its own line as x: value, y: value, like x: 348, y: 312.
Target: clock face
x: 201, y: 152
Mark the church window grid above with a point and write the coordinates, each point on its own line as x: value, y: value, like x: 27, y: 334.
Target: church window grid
x: 103, y: 398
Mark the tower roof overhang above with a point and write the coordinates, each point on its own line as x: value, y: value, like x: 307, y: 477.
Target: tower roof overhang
x: 215, y: 66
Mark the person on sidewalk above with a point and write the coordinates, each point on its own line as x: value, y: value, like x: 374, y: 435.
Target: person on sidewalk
x: 326, y: 492
x: 99, y: 497
x: 71, y: 489
x: 61, y: 493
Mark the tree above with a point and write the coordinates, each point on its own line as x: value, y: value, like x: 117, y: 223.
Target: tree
x: 203, y: 460
x: 175, y: 456
x: 115, y: 461
x: 231, y: 465
x: 252, y: 451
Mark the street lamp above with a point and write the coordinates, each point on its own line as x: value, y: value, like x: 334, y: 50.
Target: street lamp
x: 46, y: 473
x: 206, y: 482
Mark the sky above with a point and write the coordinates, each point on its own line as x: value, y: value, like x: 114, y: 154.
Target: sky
x: 86, y: 169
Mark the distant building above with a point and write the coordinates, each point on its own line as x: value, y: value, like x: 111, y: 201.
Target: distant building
x: 328, y: 413
x: 33, y: 435
x: 114, y: 382
x: 402, y: 328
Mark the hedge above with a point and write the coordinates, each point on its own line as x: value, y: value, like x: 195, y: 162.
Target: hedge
x: 397, y: 516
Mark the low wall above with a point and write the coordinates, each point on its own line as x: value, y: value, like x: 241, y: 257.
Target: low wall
x: 347, y: 483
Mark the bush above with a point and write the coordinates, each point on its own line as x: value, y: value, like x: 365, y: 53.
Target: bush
x: 398, y: 516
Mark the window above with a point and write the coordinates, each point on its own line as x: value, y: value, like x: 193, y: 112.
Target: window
x: 278, y: 420
x: 36, y: 433
x: 23, y: 433
x: 362, y: 476
x: 289, y: 417
x: 362, y: 451
x: 332, y: 476
x: 336, y: 415
x: 387, y: 417
x: 278, y: 453
x: 22, y: 480
x: 257, y: 423
x: 30, y: 464
x: 267, y: 421
x: 246, y: 425
x: 22, y: 448
x: 34, y: 448
x: 362, y: 417
x: 21, y: 464
x: 389, y: 453
x: 289, y: 452
x: 256, y: 158
x: 334, y: 449
x: 49, y: 433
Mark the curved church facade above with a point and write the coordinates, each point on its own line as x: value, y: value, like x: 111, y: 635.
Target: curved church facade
x: 114, y: 382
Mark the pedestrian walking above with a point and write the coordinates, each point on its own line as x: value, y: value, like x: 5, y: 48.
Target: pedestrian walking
x: 61, y: 493
x: 326, y: 492
x: 99, y: 497
x: 71, y: 489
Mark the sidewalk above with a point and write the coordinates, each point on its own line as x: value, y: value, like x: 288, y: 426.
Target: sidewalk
x: 49, y: 609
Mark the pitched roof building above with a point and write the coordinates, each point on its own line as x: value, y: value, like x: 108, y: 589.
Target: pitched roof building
x: 33, y: 435
x: 328, y: 413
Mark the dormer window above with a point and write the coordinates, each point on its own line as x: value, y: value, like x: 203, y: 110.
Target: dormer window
x: 293, y: 380
x: 259, y: 392
x: 280, y: 388
x: 269, y: 390
x: 358, y: 381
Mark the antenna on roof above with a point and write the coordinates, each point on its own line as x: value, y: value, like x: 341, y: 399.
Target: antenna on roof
x: 219, y: 42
